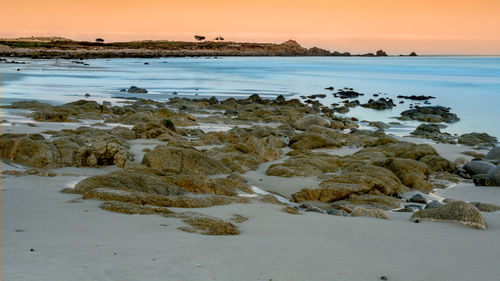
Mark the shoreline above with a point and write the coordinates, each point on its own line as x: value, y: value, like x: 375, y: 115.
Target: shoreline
x: 54, y: 228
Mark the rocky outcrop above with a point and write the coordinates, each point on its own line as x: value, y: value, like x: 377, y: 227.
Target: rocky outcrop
x: 458, y: 211
x: 31, y: 149
x: 433, y: 132
x: 380, y: 104
x: 183, y: 160
x: 478, y: 139
x: 370, y: 212
x: 432, y: 114
x: 129, y: 180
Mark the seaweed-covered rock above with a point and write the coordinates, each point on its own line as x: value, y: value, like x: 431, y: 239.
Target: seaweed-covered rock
x: 458, y: 211
x: 183, y: 160
x: 433, y: 132
x: 132, y: 180
x: 485, y: 207
x: 30, y: 149
x: 477, y: 139
x: 412, y: 173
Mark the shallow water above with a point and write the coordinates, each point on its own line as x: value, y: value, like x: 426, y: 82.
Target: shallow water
x: 469, y: 85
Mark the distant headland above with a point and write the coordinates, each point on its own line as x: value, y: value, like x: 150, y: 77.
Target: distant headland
x: 58, y: 47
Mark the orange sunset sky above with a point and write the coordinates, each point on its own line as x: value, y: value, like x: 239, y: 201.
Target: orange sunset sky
x: 397, y: 26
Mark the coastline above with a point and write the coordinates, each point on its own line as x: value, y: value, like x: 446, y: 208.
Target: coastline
x: 52, y: 235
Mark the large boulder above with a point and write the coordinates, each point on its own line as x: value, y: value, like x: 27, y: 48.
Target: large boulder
x: 494, y: 176
x: 307, y: 121
x: 458, y: 211
x: 183, y: 160
x: 412, y: 173
x: 478, y: 167
x: 31, y: 149
x: 312, y: 165
x: 494, y: 154
x: 129, y: 180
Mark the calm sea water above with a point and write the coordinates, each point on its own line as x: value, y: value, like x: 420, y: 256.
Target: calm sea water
x: 469, y: 85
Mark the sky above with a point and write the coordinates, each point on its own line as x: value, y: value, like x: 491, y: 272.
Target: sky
x: 358, y: 26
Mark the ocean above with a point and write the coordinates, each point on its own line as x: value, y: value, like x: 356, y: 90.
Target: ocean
x: 469, y: 85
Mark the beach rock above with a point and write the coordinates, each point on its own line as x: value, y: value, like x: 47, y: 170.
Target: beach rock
x: 485, y: 207
x: 430, y: 114
x: 328, y: 192
x: 477, y: 139
x: 30, y: 149
x: 478, y: 167
x: 433, y: 132
x: 412, y: 173
x: 131, y: 180
x: 414, y: 97
x: 290, y: 210
x: 493, y: 154
x: 337, y: 212
x: 183, y: 160
x: 306, y: 122
x: 437, y: 163
x: 482, y: 180
x: 371, y: 199
x: 311, y: 140
x: 379, y: 125
x: 309, y: 164
x: 136, y: 90
x: 347, y: 94
x: 459, y: 211
x: 418, y: 198
x: 379, y: 104
x: 211, y: 226
x: 494, y: 176
x: 433, y: 205
x: 370, y: 212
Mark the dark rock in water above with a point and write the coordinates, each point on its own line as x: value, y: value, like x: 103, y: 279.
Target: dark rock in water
x: 136, y: 90
x: 477, y: 139
x: 375, y: 95
x: 433, y: 205
x: 433, y: 132
x: 430, y: 114
x: 413, y: 97
x: 321, y: 96
x: 494, y: 176
x: 413, y: 54
x: 329, y: 88
x: 347, y: 94
x: 381, y: 103
x: 353, y: 103
x: 106, y: 103
x: 87, y: 95
x: 458, y: 211
x: 409, y: 209
x: 381, y: 53
x: 213, y: 100
x: 478, y: 167
x: 485, y: 207
x: 418, y: 198
x: 493, y: 154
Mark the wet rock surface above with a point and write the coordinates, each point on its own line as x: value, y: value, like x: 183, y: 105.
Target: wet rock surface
x: 458, y: 211
x: 432, y: 114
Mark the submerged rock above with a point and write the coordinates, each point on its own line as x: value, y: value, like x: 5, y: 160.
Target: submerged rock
x: 458, y: 211
x: 380, y: 104
x: 136, y: 90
